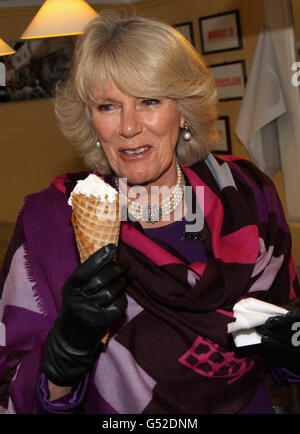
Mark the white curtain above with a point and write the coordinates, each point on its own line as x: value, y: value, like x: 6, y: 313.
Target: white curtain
x: 263, y: 103
x: 269, y: 121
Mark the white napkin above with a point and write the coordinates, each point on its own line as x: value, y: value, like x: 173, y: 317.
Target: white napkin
x: 250, y: 313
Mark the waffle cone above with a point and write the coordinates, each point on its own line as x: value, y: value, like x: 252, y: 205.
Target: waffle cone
x: 95, y: 224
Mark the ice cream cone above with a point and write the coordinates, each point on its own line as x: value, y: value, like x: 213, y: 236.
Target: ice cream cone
x: 95, y: 223
x: 95, y: 217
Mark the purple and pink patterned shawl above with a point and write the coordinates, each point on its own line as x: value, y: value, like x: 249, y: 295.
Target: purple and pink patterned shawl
x: 178, y: 337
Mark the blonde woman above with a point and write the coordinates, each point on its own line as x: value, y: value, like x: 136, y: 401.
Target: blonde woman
x: 140, y: 108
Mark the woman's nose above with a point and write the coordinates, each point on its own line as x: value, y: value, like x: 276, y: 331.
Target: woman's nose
x: 130, y: 123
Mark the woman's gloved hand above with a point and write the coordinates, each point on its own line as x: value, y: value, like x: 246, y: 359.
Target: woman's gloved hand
x: 281, y: 339
x: 92, y: 299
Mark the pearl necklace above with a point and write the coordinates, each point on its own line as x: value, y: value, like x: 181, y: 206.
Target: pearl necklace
x: 152, y: 213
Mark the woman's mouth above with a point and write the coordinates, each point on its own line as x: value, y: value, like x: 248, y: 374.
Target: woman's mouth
x: 138, y: 152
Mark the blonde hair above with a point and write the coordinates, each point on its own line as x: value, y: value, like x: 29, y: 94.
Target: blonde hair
x: 144, y: 58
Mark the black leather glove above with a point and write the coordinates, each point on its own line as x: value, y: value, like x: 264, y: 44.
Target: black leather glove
x: 281, y: 340
x: 92, y: 299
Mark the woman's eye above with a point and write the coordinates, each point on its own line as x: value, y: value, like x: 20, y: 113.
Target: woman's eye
x: 150, y: 102
x: 105, y: 107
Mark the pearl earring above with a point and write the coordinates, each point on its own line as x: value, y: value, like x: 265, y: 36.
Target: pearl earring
x: 187, y: 133
x: 98, y: 144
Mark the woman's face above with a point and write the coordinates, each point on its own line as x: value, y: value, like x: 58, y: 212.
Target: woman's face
x: 138, y: 135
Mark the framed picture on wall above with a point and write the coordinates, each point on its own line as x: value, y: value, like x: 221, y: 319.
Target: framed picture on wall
x: 230, y: 79
x: 187, y: 30
x: 33, y: 71
x: 224, y: 144
x: 221, y: 32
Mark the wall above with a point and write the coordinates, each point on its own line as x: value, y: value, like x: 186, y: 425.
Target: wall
x: 31, y: 145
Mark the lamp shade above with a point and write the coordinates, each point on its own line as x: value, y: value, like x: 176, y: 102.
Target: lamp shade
x: 60, y: 18
x: 5, y: 49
